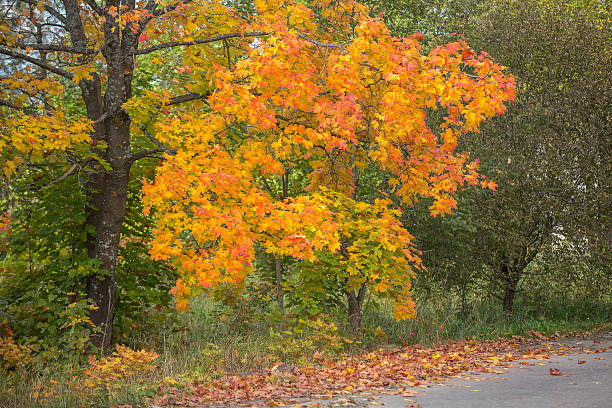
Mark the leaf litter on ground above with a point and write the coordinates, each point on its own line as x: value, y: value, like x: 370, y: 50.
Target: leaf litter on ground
x: 384, y: 371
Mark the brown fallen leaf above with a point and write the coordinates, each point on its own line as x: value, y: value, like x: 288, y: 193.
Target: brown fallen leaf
x: 556, y: 371
x: 383, y: 371
x: 581, y: 361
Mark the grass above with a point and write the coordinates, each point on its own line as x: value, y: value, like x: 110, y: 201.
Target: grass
x: 440, y: 321
x: 204, y: 344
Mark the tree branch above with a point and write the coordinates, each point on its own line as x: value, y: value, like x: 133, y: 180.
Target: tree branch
x: 59, y: 48
x: 49, y: 10
x: 148, y: 153
x: 160, y: 146
x: 94, y: 6
x: 101, y: 118
x: 63, y: 176
x: 267, y: 186
x: 155, y: 12
x: 186, y: 98
x: 167, y: 9
x: 36, y: 62
x: 10, y: 105
x: 197, y: 42
x: 319, y: 43
x: 69, y: 172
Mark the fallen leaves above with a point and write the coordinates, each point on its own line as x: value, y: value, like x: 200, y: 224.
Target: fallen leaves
x: 555, y: 371
x: 382, y: 371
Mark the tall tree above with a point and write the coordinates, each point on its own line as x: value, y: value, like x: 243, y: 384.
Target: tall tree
x: 358, y: 98
x: 51, y: 47
x: 551, y: 153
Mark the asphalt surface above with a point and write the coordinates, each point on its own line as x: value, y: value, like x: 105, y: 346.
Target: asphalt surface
x: 585, y: 382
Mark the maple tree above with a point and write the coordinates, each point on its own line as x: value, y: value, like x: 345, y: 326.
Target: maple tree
x: 335, y: 105
x: 266, y: 91
x: 92, y: 49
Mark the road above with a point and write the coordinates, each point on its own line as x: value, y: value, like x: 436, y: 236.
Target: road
x: 585, y: 382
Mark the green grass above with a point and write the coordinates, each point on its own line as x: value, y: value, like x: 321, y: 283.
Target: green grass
x: 444, y: 319
x: 204, y: 343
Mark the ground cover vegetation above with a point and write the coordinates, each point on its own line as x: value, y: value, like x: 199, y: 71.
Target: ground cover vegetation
x: 198, y: 189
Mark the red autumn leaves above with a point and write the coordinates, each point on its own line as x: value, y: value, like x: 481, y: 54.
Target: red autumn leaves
x: 381, y: 371
x: 555, y: 371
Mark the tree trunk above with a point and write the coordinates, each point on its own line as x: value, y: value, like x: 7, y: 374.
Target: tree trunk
x: 509, y: 294
x: 107, y: 189
x: 355, y: 303
x: 108, y: 199
x: 511, y: 279
x: 104, y: 247
x: 279, y: 288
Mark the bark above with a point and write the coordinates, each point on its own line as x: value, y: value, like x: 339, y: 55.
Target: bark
x: 279, y: 289
x: 355, y: 304
x: 512, y: 278
x: 108, y: 218
x: 107, y: 189
x: 277, y: 260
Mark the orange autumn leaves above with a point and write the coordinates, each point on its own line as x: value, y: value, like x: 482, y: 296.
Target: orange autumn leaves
x: 333, y: 105
x: 366, y: 103
x: 211, y: 215
x: 378, y: 372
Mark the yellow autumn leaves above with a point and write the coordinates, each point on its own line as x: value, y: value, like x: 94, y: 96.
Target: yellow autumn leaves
x: 23, y: 139
x: 331, y: 104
